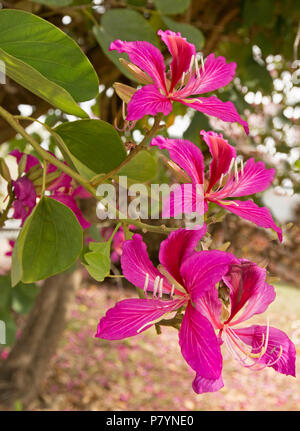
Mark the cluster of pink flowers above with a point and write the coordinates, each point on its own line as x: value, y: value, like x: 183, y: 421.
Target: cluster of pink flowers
x: 208, y: 293
x: 61, y: 189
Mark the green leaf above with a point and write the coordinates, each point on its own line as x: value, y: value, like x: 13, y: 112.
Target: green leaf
x: 124, y: 24
x: 192, y: 34
x: 142, y: 167
x: 94, y: 143
x: 35, y: 82
x: 49, y: 243
x: 172, y: 7
x: 54, y: 2
x: 50, y: 52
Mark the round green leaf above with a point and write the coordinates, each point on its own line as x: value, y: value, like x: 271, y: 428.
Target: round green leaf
x: 95, y: 143
x: 142, y: 167
x: 54, y: 2
x: 192, y: 34
x: 172, y: 7
x: 49, y: 243
x: 48, y: 50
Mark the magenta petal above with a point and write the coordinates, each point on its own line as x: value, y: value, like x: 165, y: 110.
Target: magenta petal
x: 248, y: 210
x: 217, y: 73
x: 181, y: 51
x: 202, y: 270
x: 222, y: 154
x: 199, y: 345
x: 136, y: 264
x: 132, y: 316
x: 247, y: 284
x: 177, y: 247
x: 147, y: 101
x: 184, y: 199
x: 255, y: 178
x: 71, y: 203
x: 253, y: 336
x: 202, y: 385
x: 210, y: 306
x: 186, y: 154
x: 146, y: 56
x: 213, y: 106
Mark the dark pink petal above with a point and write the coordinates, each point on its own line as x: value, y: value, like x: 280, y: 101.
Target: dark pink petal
x: 217, y: 73
x: 213, y: 106
x: 146, y: 56
x: 210, y: 306
x: 177, y: 247
x: 199, y: 345
x: 133, y: 316
x: 30, y: 160
x: 24, y: 191
x: 186, y: 154
x: 253, y: 336
x: 147, y: 101
x: 248, y: 210
x: 202, y: 385
x: 247, y: 284
x: 181, y: 51
x: 81, y: 192
x: 184, y: 199
x: 70, y: 202
x: 202, y: 270
x: 136, y: 264
x: 62, y: 183
x: 222, y: 154
x: 254, y: 178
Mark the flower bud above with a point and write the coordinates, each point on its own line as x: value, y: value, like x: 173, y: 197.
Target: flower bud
x: 136, y: 72
x: 22, y: 164
x: 4, y: 171
x: 125, y: 92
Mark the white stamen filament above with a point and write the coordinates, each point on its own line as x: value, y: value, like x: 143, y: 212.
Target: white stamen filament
x: 172, y: 291
x: 191, y: 64
x: 242, y: 167
x: 161, y: 287
x: 202, y: 63
x: 236, y: 174
x: 238, y: 347
x: 146, y: 283
x: 197, y: 68
x: 155, y: 287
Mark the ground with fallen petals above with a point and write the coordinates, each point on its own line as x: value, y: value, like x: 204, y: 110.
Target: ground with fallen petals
x: 147, y: 372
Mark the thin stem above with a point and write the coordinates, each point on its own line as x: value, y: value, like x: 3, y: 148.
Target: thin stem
x: 100, y: 179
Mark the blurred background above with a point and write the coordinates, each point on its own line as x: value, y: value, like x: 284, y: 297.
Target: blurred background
x: 74, y: 371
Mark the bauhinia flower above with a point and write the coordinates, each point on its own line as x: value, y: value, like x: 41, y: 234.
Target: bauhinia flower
x: 226, y: 179
x: 117, y: 242
x: 242, y: 294
x: 183, y: 83
x: 61, y: 190
x: 180, y: 280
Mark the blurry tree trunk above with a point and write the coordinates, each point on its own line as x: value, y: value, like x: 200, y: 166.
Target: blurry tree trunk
x: 22, y: 372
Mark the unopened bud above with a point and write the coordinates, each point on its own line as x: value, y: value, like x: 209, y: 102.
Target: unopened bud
x: 22, y: 164
x: 136, y: 72
x: 125, y: 92
x: 4, y: 171
x: 34, y: 173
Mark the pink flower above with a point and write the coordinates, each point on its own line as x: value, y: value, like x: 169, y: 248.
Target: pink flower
x: 242, y: 294
x: 61, y: 189
x: 225, y: 179
x: 182, y: 278
x: 184, y: 79
x: 117, y: 242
